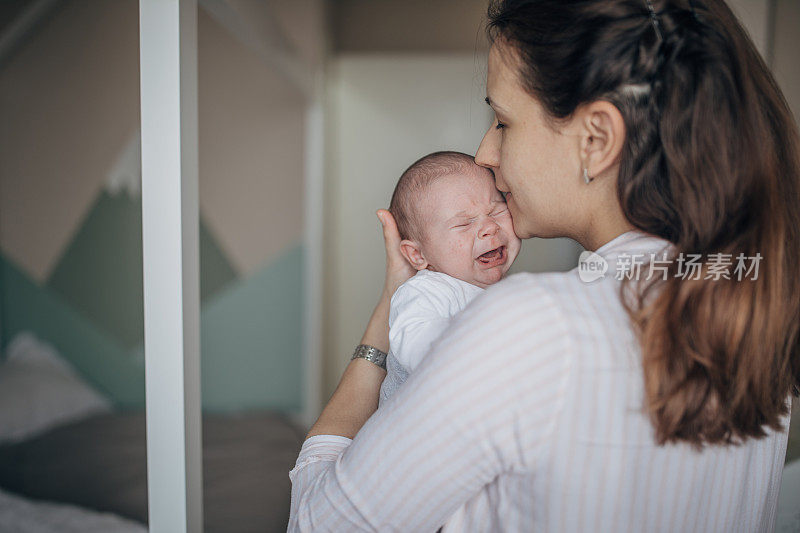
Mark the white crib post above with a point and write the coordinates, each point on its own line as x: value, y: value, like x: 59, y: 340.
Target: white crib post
x: 168, y: 60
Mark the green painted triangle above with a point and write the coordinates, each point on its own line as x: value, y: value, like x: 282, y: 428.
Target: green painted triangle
x: 252, y: 340
x: 96, y: 355
x: 100, y: 273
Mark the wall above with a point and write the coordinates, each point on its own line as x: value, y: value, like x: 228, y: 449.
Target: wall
x: 68, y: 107
x: 785, y: 65
x: 70, y: 212
x: 786, y: 44
x: 409, y: 26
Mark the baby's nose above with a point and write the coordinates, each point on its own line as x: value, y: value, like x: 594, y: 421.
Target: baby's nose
x: 489, y: 229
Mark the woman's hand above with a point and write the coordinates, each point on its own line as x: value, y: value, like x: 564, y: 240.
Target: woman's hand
x: 398, y: 270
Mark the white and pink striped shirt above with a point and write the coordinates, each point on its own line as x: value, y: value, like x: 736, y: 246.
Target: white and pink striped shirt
x: 527, y: 416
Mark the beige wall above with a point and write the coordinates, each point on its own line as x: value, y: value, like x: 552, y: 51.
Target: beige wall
x: 252, y: 121
x: 251, y: 150
x: 69, y: 101
x: 755, y: 15
x: 786, y: 66
x: 416, y: 26
x: 786, y: 51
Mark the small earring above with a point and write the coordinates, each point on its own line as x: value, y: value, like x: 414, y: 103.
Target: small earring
x: 586, y: 177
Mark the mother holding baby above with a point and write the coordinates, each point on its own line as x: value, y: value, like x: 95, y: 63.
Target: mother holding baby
x: 640, y: 402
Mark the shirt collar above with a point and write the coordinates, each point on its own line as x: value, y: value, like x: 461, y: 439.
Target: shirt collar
x: 630, y: 242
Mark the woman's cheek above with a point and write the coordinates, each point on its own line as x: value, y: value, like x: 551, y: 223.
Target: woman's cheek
x: 512, y: 207
x: 508, y: 224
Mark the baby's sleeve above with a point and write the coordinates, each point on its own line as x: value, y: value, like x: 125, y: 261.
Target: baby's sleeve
x: 415, y: 321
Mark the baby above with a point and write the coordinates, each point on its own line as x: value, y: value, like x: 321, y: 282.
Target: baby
x: 457, y: 233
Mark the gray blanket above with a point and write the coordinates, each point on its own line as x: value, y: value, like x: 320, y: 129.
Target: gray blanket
x: 100, y: 463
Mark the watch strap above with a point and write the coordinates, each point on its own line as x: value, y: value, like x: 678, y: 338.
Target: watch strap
x: 370, y: 353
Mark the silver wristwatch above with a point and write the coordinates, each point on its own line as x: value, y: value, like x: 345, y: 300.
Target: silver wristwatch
x: 370, y: 353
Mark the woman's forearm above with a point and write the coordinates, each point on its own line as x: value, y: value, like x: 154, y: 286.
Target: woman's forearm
x: 356, y: 397
x: 377, y: 332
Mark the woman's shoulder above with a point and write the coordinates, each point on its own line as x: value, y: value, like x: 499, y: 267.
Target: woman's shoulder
x: 587, y: 313
x: 559, y: 295
x: 566, y: 290
x: 524, y: 294
x: 521, y: 317
x: 555, y: 285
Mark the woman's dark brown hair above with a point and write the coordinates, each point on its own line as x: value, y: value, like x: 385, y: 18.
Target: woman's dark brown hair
x: 711, y: 164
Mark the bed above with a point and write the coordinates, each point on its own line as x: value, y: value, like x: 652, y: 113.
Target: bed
x: 70, y: 462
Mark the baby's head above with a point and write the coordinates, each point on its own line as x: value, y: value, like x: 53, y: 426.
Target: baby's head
x: 453, y: 220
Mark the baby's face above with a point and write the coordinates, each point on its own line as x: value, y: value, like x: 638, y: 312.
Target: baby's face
x: 468, y: 234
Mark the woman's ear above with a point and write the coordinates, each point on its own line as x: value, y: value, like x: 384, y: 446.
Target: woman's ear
x: 413, y: 254
x: 602, y: 137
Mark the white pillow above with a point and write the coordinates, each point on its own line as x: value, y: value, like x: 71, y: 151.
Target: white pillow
x: 33, y: 516
x: 40, y: 390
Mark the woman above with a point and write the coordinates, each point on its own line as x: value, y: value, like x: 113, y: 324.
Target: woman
x: 626, y: 403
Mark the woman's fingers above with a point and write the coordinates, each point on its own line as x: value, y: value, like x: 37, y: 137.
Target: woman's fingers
x: 398, y: 269
x: 391, y: 236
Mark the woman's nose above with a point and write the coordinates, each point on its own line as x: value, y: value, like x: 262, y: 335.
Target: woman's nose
x: 488, y: 154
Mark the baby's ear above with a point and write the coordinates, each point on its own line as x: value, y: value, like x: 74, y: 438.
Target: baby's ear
x: 413, y: 254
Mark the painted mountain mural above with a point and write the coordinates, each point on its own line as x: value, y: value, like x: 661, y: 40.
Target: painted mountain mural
x: 91, y: 309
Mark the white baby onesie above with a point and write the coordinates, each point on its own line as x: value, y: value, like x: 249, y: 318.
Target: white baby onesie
x: 420, y: 311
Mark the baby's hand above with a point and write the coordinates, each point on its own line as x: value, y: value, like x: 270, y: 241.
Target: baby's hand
x: 398, y: 270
